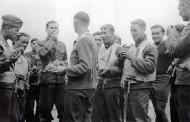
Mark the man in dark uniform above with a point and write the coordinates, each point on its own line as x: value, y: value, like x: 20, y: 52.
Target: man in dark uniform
x: 9, y: 29
x: 34, y: 89
x: 160, y: 87
x: 81, y: 73
x: 53, y: 57
x: 181, y: 51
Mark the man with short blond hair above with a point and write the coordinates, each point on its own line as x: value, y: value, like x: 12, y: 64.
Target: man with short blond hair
x: 139, y: 70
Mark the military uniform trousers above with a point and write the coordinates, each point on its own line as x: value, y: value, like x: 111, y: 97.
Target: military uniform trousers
x: 50, y: 95
x: 159, y: 96
x: 78, y: 105
x: 6, y: 91
x: 107, y: 104
x: 137, y: 102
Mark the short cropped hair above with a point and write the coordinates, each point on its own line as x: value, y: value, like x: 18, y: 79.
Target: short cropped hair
x: 139, y: 22
x: 22, y: 34
x: 34, y: 40
x: 49, y: 22
x: 83, y: 17
x: 109, y: 26
x: 158, y: 26
x: 97, y: 33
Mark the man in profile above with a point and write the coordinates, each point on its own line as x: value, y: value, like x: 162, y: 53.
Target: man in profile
x: 82, y: 76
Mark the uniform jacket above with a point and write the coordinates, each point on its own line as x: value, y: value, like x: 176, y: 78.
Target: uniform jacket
x: 49, y: 51
x: 182, y: 51
x: 7, y: 74
x: 82, y: 72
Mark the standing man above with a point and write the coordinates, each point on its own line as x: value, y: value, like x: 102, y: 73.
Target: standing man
x: 34, y: 89
x: 107, y: 104
x: 98, y: 39
x: 160, y: 87
x: 9, y: 30
x: 82, y: 76
x: 53, y: 57
x: 181, y: 51
x: 138, y: 72
x: 21, y: 69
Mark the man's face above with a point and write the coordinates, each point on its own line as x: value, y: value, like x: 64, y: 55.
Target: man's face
x: 12, y: 33
x: 106, y: 31
x: 52, y: 27
x: 33, y: 45
x: 98, y: 40
x: 107, y: 40
x: 157, y: 35
x: 184, y: 11
x: 22, y: 43
x: 137, y: 32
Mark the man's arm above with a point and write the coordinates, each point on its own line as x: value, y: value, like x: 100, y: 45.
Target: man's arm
x: 85, y: 59
x: 181, y: 47
x: 43, y: 49
x: 146, y: 65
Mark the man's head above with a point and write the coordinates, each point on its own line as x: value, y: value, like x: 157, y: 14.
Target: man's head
x: 138, y: 28
x: 51, y: 27
x: 10, y: 27
x: 158, y: 33
x: 184, y: 9
x: 81, y: 20
x: 117, y: 39
x: 107, y: 40
x: 22, y: 41
x: 33, y: 43
x: 98, y: 39
x: 107, y: 29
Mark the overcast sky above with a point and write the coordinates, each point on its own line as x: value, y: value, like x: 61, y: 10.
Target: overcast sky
x: 36, y: 13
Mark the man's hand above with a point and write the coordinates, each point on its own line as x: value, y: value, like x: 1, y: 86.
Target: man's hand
x: 54, y: 35
x: 14, y: 56
x: 128, y: 55
x: 104, y: 73
x: 59, y: 69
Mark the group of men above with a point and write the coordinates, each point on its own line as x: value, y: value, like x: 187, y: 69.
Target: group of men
x: 104, y: 81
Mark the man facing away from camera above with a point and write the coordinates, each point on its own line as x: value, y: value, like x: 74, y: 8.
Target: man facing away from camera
x: 82, y: 76
x: 181, y: 51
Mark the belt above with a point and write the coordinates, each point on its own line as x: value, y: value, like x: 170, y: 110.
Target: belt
x: 183, y: 67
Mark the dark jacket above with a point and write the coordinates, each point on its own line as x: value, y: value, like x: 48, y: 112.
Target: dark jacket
x: 83, y: 63
x: 182, y: 51
x: 35, y: 67
x: 49, y: 51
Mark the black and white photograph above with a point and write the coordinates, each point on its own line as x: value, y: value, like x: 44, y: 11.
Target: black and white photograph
x: 95, y: 61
